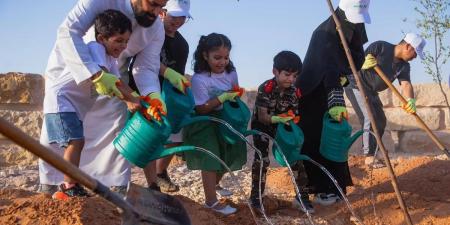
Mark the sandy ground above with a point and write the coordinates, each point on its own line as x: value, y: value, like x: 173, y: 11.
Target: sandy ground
x: 424, y: 181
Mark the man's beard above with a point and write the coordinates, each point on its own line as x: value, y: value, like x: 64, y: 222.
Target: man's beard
x: 145, y: 19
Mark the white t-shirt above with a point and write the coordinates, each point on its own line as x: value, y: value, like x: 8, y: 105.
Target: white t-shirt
x: 68, y: 96
x: 206, y: 86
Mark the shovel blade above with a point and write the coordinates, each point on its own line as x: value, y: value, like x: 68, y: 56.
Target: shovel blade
x: 154, y: 207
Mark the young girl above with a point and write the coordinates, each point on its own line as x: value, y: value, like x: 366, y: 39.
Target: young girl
x: 212, y: 81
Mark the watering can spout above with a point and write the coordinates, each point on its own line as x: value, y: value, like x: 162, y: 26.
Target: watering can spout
x: 353, y: 138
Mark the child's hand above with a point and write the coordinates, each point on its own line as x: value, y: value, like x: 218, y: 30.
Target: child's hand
x: 130, y: 97
x: 281, y: 119
x: 227, y: 96
x: 238, y: 89
x: 285, y: 117
x: 105, y: 84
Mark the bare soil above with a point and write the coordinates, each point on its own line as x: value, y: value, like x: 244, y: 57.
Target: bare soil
x: 424, y: 181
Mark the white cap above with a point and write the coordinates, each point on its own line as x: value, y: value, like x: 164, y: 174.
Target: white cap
x: 356, y: 11
x: 178, y: 8
x: 417, y: 42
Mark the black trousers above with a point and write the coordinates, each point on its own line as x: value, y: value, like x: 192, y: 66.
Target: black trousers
x: 312, y: 108
x: 262, y: 143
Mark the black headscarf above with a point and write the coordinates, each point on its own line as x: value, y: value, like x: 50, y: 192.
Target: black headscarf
x: 325, y: 60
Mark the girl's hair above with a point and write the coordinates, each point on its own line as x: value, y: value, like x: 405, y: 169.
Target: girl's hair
x: 207, y: 44
x: 111, y: 22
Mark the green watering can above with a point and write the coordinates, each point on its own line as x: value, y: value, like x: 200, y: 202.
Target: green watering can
x: 336, y: 139
x: 141, y: 138
x: 237, y: 115
x: 180, y: 107
x: 290, y: 139
x: 142, y: 141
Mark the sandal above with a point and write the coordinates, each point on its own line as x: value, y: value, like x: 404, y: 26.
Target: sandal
x: 226, y: 210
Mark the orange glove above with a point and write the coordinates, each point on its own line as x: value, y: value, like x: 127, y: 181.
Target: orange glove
x: 291, y: 114
x: 238, y: 89
x: 156, y: 107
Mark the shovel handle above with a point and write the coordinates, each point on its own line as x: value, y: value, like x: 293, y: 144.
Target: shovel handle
x: 30, y: 144
x: 419, y: 120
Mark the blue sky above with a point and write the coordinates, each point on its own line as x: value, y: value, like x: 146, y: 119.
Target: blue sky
x: 258, y: 29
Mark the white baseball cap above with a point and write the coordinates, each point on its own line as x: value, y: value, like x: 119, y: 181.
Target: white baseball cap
x: 356, y: 11
x: 417, y: 42
x: 178, y: 8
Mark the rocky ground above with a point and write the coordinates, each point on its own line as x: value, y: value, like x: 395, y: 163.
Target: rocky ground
x: 424, y: 181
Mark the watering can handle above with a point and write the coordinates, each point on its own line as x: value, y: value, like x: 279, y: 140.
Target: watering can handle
x: 354, y: 137
x: 292, y: 124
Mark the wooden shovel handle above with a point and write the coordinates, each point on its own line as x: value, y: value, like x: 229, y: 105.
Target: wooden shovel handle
x: 30, y: 144
x: 419, y: 120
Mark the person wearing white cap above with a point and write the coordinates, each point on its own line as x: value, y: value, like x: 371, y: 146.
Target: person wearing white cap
x: 393, y: 60
x: 322, y: 92
x: 174, y: 55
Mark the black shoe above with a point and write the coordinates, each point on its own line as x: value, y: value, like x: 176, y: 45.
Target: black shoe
x: 154, y: 187
x: 306, y: 202
x: 47, y: 189
x: 75, y: 191
x: 165, y: 183
x: 255, y: 203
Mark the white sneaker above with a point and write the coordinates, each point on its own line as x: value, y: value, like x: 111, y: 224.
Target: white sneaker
x: 223, y: 192
x: 227, y: 210
x: 326, y: 199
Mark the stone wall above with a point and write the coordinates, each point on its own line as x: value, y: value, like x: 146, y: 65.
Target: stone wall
x: 21, y: 99
x: 22, y: 94
x: 403, y: 133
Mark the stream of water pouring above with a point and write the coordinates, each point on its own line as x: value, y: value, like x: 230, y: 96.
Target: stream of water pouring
x: 290, y: 172
x: 260, y: 155
x: 323, y: 169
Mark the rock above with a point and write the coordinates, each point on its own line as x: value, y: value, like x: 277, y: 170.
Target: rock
x: 13, y: 155
x: 22, y: 181
x: 12, y: 172
x: 428, y: 95
x: 388, y: 141
x: 29, y: 122
x: 399, y: 120
x: 22, y: 88
x: 441, y: 157
x: 386, y: 98
x: 420, y: 142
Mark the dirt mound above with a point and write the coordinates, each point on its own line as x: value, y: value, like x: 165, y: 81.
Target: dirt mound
x: 24, y: 207
x: 424, y: 182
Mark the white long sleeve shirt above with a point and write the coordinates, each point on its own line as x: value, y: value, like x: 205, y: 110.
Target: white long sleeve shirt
x: 71, y: 58
x: 68, y: 96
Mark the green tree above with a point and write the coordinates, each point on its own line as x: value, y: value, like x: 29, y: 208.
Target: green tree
x: 434, y: 23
